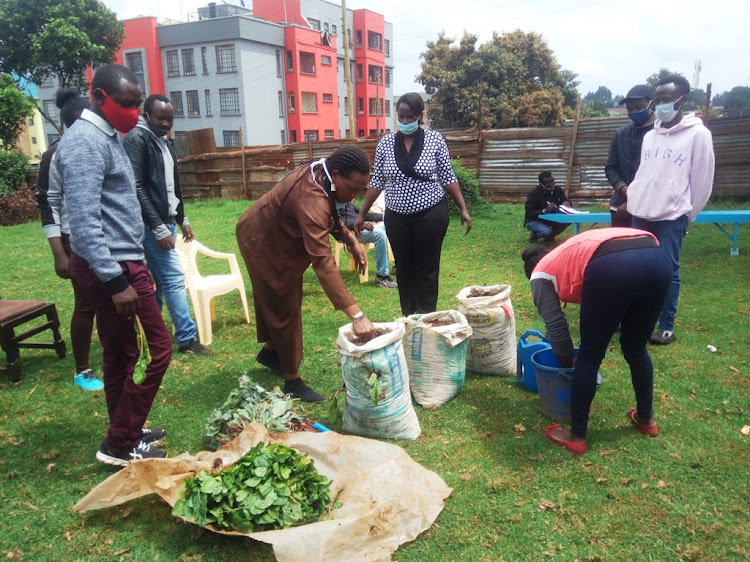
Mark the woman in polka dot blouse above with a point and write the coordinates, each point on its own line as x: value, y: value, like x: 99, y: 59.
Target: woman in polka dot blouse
x: 413, y: 167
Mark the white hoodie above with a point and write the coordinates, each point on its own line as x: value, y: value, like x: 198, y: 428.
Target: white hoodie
x: 676, y: 173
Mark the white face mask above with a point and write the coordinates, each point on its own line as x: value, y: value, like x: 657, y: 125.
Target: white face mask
x: 666, y: 112
x: 322, y: 162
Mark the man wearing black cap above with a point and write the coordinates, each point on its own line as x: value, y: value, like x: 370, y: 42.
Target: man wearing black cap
x: 625, y: 150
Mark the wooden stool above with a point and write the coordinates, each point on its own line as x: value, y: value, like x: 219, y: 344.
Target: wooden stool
x: 363, y: 277
x: 15, y: 313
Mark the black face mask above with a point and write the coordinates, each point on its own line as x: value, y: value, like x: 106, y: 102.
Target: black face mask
x: 154, y: 129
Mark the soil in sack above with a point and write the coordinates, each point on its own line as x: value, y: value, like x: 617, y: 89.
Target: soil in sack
x: 435, y: 346
x: 376, y: 378
x: 489, y: 311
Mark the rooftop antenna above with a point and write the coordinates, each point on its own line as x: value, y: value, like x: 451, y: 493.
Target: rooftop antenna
x: 697, y: 75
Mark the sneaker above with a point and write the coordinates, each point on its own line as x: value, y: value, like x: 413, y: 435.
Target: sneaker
x: 87, y: 381
x: 386, y: 282
x: 297, y: 388
x: 121, y: 457
x: 194, y: 347
x: 269, y: 358
x: 663, y: 337
x: 152, y: 435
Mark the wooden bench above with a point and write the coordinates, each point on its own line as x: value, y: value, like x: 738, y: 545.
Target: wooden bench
x: 715, y: 217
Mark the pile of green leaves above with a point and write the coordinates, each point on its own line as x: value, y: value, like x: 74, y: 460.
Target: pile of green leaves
x: 247, y: 403
x: 271, y: 487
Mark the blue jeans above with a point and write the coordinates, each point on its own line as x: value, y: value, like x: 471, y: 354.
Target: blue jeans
x: 670, y: 235
x: 170, y: 284
x: 377, y: 236
x: 625, y: 288
x: 544, y: 229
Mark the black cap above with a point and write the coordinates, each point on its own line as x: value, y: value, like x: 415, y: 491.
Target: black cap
x: 637, y: 92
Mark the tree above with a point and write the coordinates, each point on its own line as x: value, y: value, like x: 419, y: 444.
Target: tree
x: 602, y: 94
x: 737, y: 102
x: 15, y: 107
x: 653, y: 80
x: 719, y: 99
x: 513, y: 80
x: 44, y: 38
x: 594, y: 108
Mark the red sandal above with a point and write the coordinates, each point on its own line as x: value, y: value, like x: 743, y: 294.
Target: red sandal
x: 646, y: 429
x: 577, y: 447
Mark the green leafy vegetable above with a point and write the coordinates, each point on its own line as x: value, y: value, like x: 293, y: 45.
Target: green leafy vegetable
x: 271, y: 487
x: 247, y: 403
x: 139, y: 374
x: 374, y: 383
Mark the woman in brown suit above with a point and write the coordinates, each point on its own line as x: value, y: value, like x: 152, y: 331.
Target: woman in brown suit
x: 284, y: 232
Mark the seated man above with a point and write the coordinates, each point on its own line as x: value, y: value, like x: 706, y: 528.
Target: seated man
x: 371, y: 233
x: 545, y: 198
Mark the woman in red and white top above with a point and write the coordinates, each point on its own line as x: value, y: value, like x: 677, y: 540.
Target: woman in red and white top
x: 620, y: 277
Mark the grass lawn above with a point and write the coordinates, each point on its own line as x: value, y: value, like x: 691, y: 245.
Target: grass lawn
x: 517, y: 496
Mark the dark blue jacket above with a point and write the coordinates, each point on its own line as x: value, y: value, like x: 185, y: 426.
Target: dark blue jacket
x: 624, y: 157
x: 349, y: 213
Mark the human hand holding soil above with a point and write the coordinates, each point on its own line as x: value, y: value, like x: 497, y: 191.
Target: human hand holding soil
x: 363, y: 329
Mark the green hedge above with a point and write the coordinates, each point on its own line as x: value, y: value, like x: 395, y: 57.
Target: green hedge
x: 469, y: 185
x: 13, y: 168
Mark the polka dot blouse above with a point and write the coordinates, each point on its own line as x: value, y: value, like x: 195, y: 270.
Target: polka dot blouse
x: 407, y: 195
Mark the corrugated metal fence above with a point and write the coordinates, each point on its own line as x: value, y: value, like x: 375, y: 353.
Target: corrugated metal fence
x: 506, y: 161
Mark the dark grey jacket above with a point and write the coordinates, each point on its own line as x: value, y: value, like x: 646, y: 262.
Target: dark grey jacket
x: 624, y: 157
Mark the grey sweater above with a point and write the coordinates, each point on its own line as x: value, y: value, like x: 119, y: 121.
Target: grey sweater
x: 105, y: 218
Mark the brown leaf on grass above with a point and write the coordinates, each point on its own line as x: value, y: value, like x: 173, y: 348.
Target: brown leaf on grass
x: 626, y: 481
x: 519, y: 504
x: 126, y: 513
x: 50, y: 466
x: 745, y: 430
x: 13, y: 441
x: 546, y: 505
x: 446, y: 455
x: 717, y: 412
x: 588, y: 464
x: 661, y: 484
x: 692, y: 394
x: 466, y: 477
x: 675, y: 456
x: 68, y: 536
x: 735, y: 369
x: 121, y: 552
x: 600, y: 480
x: 606, y: 452
x: 519, y: 427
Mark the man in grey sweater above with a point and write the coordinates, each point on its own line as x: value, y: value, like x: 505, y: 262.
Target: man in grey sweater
x: 106, y: 238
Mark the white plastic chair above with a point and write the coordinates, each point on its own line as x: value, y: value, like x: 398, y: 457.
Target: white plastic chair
x: 203, y: 289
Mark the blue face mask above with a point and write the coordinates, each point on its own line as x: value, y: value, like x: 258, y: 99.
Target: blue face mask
x: 639, y: 118
x: 408, y: 128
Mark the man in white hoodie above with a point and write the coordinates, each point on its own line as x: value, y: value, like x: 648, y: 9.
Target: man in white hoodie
x: 672, y: 184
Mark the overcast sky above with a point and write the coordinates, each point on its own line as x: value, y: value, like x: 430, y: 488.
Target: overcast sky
x: 613, y: 43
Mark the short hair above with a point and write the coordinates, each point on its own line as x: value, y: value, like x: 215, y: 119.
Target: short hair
x: 680, y: 82
x: 70, y: 104
x: 348, y: 159
x: 148, y: 105
x: 544, y: 175
x: 532, y: 256
x: 414, y: 102
x: 109, y: 76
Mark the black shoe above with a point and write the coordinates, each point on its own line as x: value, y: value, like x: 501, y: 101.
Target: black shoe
x: 298, y: 389
x: 194, y: 347
x: 152, y: 435
x: 386, y: 282
x: 663, y: 337
x: 121, y: 457
x: 269, y: 358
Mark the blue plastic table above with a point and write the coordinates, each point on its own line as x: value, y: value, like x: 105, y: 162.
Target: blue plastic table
x: 715, y: 217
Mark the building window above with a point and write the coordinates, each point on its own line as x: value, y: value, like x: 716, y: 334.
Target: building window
x: 193, y: 103
x: 134, y: 61
x: 328, y: 134
x: 283, y: 137
x: 326, y: 27
x: 309, y: 102
x: 180, y: 135
x: 327, y: 98
x: 376, y: 106
x: 306, y: 63
x: 387, y: 48
x: 208, y: 103
x: 51, y: 110
x: 334, y: 30
x: 347, y: 133
x: 231, y: 138
x: 229, y: 101
x: 291, y: 102
x: 315, y: 24
x: 388, y: 77
x: 387, y: 109
x: 188, y: 62
x: 360, y: 106
x: 48, y: 81
x: 173, y: 64
x: 289, y: 61
x: 361, y: 133
x: 281, y: 104
x: 278, y: 62
x: 346, y: 106
x: 225, y: 61
x: 52, y: 138
x: 204, y: 59
x: 311, y: 135
x: 30, y: 122
x: 176, y: 99
x: 293, y: 136
x: 325, y: 59
x: 374, y: 74
x: 33, y: 140
x: 359, y: 38
x: 374, y: 41
x: 359, y: 73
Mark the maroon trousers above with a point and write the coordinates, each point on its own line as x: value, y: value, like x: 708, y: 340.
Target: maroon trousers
x: 82, y: 321
x: 128, y: 403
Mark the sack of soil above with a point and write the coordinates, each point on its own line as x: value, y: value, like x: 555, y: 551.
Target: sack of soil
x: 376, y: 378
x: 435, y: 347
x: 492, y: 347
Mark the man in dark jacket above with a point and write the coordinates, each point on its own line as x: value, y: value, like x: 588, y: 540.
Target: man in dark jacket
x: 545, y: 198
x: 374, y: 233
x: 157, y: 180
x: 625, y: 150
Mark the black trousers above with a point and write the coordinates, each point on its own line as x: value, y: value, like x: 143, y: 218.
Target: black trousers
x: 417, y: 241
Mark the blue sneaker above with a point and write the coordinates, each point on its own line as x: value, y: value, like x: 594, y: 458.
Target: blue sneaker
x: 87, y: 381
